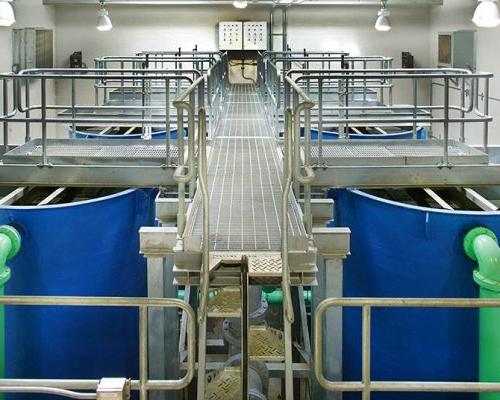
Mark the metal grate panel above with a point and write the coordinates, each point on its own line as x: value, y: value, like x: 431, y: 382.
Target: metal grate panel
x: 82, y: 152
x: 245, y: 181
x: 395, y: 152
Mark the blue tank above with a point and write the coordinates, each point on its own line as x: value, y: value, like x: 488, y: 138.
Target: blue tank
x: 119, y: 133
x: 85, y: 248
x: 401, y: 250
x: 403, y: 134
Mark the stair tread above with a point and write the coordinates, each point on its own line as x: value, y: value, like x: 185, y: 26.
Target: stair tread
x: 225, y: 303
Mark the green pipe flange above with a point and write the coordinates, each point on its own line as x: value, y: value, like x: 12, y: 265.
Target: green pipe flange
x: 472, y: 235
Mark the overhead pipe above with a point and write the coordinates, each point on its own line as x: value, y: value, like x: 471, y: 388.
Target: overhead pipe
x: 481, y: 245
x: 10, y: 244
x: 260, y: 2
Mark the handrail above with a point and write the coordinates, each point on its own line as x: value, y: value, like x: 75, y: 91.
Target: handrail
x: 366, y: 385
x: 307, y: 104
x: 288, y: 170
x: 143, y: 384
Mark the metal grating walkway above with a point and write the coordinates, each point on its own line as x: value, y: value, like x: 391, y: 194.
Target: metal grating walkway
x: 245, y: 181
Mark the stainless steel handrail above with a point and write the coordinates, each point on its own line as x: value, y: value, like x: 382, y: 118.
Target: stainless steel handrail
x: 366, y: 385
x: 143, y: 384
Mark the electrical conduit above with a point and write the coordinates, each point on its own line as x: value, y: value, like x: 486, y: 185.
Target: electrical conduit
x: 481, y: 245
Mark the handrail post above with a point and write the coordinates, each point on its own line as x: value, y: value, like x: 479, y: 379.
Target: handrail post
x: 446, y: 124
x: 366, y: 344
x: 5, y: 112
x: 143, y: 352
x: 27, y: 137
x: 43, y: 96
x: 486, y: 111
x: 167, y: 122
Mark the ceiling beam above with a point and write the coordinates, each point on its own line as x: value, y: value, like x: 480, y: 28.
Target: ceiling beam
x: 259, y: 2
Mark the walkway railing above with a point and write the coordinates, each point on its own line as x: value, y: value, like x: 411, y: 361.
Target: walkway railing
x: 86, y: 388
x: 367, y: 386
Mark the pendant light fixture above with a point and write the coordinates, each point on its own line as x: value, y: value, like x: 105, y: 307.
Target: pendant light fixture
x: 103, y: 20
x: 383, y: 23
x: 7, y: 17
x: 487, y: 14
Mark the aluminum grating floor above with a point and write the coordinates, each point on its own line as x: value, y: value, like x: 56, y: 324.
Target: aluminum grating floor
x: 245, y: 181
x: 99, y: 151
x: 394, y: 152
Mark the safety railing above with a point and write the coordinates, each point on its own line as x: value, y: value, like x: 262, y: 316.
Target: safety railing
x: 343, y: 114
x: 86, y: 388
x: 134, y: 87
x: 326, y: 91
x: 31, y: 84
x: 367, y: 386
x: 365, y: 88
x: 185, y: 103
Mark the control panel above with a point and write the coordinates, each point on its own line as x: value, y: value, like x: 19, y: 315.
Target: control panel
x: 237, y: 35
x: 255, y: 35
x: 231, y: 35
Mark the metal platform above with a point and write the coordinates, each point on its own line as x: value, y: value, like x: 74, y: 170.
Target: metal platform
x: 92, y: 152
x: 245, y: 181
x: 395, y: 152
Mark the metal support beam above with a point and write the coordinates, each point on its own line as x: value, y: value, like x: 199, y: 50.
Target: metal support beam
x: 414, y: 176
x: 330, y: 285
x: 86, y: 176
x: 261, y: 2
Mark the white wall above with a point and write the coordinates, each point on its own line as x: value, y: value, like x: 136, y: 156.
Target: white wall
x: 457, y: 15
x: 29, y: 13
x: 167, y: 28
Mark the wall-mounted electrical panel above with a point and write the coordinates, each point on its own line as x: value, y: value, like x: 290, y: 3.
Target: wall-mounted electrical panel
x: 32, y: 48
x: 231, y: 35
x: 237, y: 35
x: 457, y: 49
x: 255, y: 36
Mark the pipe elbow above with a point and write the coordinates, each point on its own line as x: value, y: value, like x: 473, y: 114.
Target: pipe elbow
x: 481, y: 245
x: 10, y: 245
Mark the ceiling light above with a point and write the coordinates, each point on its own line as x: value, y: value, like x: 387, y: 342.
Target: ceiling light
x: 7, y: 17
x: 383, y: 23
x: 487, y: 14
x: 240, y: 3
x: 103, y: 20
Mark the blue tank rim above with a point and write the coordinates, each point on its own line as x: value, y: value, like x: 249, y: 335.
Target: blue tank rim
x: 374, y: 136
x: 420, y: 208
x: 121, y: 193
x: 133, y: 136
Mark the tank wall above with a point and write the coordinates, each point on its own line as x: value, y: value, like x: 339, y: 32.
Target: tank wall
x: 401, y: 251
x: 81, y: 249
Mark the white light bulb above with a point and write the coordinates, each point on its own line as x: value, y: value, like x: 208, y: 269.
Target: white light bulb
x: 383, y: 23
x: 487, y: 14
x: 7, y: 17
x: 103, y: 21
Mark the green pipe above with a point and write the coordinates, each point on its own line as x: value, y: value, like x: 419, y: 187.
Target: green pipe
x: 481, y: 245
x: 276, y: 297
x: 10, y: 244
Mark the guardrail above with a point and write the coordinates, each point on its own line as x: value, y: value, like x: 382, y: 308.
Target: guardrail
x: 366, y: 386
x: 343, y: 113
x: 85, y: 388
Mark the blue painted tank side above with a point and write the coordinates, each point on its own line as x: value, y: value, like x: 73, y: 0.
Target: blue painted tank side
x: 89, y: 248
x: 406, y: 251
x: 331, y: 135
x: 155, y: 135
